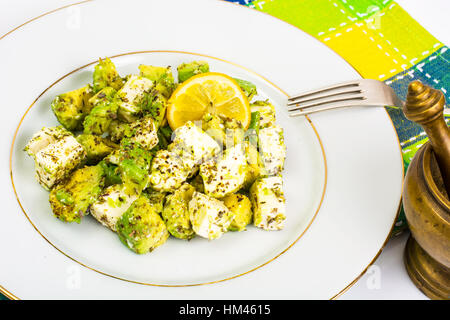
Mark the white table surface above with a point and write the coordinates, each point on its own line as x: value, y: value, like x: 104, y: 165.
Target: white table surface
x: 387, y: 277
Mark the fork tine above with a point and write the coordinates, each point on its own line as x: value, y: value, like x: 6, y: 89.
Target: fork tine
x: 349, y: 90
x: 324, y: 89
x: 327, y: 100
x: 324, y: 107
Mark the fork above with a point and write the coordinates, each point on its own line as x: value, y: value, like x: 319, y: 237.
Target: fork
x: 364, y: 92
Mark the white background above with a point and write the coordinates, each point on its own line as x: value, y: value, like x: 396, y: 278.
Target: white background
x: 387, y: 278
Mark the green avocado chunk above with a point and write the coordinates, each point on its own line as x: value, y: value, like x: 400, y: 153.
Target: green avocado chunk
x: 248, y: 88
x: 103, y: 113
x: 72, y: 107
x: 70, y: 200
x: 119, y: 129
x: 176, y: 212
x: 112, y: 173
x: 156, y: 107
x: 141, y: 228
x: 133, y: 163
x: 133, y: 172
x: 96, y: 147
x: 167, y: 132
x: 241, y: 208
x: 157, y: 199
x: 187, y: 70
x: 161, y: 76
x: 106, y: 75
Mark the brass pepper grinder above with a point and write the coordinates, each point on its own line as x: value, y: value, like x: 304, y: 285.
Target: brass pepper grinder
x: 426, y: 195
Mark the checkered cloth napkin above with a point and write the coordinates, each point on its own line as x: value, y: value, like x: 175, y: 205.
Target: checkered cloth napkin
x: 375, y: 37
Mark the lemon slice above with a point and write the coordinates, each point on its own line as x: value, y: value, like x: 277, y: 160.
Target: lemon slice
x: 210, y: 92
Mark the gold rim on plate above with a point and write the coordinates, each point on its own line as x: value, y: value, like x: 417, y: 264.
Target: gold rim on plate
x: 8, y: 294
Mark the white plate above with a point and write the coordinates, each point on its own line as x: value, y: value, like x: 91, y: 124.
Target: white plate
x: 203, y: 261
x: 347, y: 174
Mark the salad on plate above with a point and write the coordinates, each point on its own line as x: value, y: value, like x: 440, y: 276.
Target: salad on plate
x: 150, y: 157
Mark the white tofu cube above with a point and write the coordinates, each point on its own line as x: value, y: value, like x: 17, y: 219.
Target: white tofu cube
x: 167, y: 171
x: 132, y: 95
x: 193, y: 145
x: 226, y: 174
x: 54, y: 162
x: 268, y: 203
x: 111, y: 204
x: 145, y: 133
x: 272, y: 149
x: 210, y: 217
x: 44, y: 137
